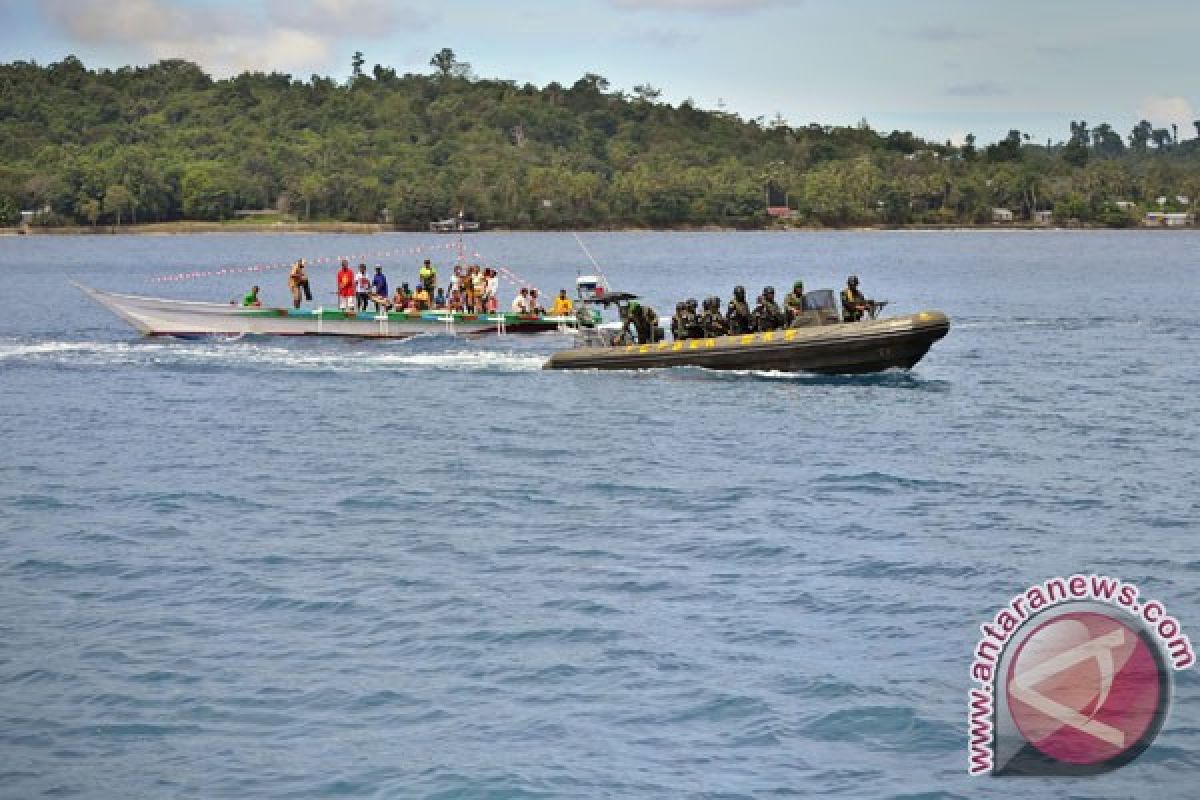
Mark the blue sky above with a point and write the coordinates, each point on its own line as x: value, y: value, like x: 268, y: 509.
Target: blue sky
x: 936, y: 67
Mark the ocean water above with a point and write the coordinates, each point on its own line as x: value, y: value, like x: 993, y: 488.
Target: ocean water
x: 318, y: 569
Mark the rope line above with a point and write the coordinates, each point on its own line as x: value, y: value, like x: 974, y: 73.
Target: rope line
x: 360, y: 258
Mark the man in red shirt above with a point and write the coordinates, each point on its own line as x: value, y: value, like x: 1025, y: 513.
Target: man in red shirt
x: 345, y: 287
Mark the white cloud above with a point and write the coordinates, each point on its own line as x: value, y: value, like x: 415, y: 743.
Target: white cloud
x: 122, y: 21
x: 370, y: 18
x: 1162, y: 111
x: 282, y: 50
x: 297, y: 36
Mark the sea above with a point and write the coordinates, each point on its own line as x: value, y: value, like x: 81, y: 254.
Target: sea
x: 312, y: 568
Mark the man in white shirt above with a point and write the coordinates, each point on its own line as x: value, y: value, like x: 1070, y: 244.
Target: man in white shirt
x: 520, y: 303
x: 362, y: 287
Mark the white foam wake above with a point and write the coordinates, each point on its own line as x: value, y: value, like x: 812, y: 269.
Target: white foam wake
x: 244, y: 354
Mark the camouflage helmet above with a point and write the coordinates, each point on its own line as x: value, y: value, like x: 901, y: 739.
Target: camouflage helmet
x: 768, y: 291
x: 739, y: 292
x: 798, y: 285
x: 691, y: 303
x: 852, y: 280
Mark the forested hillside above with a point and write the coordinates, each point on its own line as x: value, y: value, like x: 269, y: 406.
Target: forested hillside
x: 168, y: 142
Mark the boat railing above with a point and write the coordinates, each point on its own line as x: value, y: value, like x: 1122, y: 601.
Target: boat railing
x: 447, y: 319
x: 501, y: 323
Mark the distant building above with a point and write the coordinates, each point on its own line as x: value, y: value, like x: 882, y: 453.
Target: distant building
x: 27, y: 217
x: 1125, y: 205
x: 1001, y: 215
x: 1168, y: 219
x: 1043, y: 217
x: 780, y: 212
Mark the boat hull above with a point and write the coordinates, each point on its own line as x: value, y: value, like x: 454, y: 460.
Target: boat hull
x: 154, y: 316
x: 841, y: 349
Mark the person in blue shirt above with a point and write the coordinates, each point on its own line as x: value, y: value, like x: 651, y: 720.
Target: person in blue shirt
x: 379, y: 288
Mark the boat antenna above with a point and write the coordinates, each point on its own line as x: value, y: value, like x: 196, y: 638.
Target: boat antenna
x: 586, y: 252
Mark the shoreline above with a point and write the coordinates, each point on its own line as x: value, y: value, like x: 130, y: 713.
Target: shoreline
x: 285, y: 228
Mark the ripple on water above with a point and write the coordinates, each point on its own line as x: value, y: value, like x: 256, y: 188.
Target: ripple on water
x: 276, y: 568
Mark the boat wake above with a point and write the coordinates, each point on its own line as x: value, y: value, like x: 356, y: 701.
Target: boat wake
x: 888, y: 379
x: 247, y: 354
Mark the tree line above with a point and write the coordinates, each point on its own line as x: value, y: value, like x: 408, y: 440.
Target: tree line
x: 168, y: 142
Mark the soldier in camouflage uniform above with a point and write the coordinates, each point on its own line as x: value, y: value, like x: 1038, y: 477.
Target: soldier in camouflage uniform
x: 768, y: 316
x: 678, y: 322
x: 711, y: 320
x: 695, y: 327
x: 737, y: 316
x: 793, y: 301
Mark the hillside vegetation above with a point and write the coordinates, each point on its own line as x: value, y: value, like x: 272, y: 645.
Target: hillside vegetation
x: 168, y: 142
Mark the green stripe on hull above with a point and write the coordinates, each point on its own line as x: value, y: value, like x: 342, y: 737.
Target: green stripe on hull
x: 432, y: 317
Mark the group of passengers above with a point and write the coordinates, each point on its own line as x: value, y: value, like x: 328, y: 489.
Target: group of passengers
x: 472, y: 289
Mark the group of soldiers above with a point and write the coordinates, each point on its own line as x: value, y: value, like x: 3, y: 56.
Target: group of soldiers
x: 691, y: 321
x: 695, y: 321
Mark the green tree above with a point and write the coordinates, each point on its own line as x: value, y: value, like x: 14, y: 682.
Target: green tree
x: 207, y: 190
x: 1007, y: 149
x: 1076, y: 151
x: 10, y: 214
x: 646, y: 93
x: 969, y: 153
x: 91, y: 209
x: 448, y: 65
x: 1106, y: 142
x: 117, y: 200
x: 1139, y: 137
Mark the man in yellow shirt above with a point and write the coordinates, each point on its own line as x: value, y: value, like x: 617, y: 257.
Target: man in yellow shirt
x: 421, y: 298
x: 563, y: 307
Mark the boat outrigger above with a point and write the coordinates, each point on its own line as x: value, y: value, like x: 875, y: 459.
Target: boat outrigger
x: 154, y: 316
x: 824, y: 345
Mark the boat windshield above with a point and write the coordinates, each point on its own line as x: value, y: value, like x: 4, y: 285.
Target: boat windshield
x: 820, y: 300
